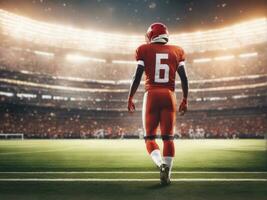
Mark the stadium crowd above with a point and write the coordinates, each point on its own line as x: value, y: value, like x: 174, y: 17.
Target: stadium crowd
x: 103, y: 113
x: 31, y: 89
x: 38, y: 122
x: 18, y: 58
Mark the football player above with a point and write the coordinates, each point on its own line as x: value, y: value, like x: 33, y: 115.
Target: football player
x: 160, y: 62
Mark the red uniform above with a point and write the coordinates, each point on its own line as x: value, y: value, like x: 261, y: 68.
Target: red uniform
x: 159, y: 106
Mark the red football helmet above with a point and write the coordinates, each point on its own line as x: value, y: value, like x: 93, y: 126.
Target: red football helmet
x: 157, y: 32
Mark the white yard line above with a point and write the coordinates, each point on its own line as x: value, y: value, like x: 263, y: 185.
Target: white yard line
x: 128, y: 180
x: 134, y: 172
x: 41, y: 151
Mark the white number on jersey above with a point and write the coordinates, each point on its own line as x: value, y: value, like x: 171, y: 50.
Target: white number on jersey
x: 159, y: 66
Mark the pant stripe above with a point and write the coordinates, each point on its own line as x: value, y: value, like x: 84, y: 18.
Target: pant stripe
x: 144, y: 113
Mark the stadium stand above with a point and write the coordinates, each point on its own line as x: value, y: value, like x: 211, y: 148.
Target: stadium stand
x: 52, y: 86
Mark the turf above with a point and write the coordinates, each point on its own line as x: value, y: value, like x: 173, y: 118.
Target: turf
x: 133, y: 191
x: 130, y: 155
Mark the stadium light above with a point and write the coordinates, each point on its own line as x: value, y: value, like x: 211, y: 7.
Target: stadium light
x: 43, y: 53
x: 25, y: 72
x: 46, y: 96
x: 26, y: 95
x: 78, y: 99
x: 248, y: 55
x: 228, y: 57
x: 202, y: 60
x: 7, y: 94
x: 80, y: 58
x: 60, y: 98
x: 240, y: 96
x: 215, y: 98
x: 124, y: 62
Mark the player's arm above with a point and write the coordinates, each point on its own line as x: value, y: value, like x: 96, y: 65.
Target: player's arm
x: 184, y: 82
x: 134, y: 85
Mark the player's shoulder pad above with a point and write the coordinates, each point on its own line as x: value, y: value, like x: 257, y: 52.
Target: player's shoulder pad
x: 142, y: 46
x: 180, y: 51
x: 140, y: 52
x: 178, y: 48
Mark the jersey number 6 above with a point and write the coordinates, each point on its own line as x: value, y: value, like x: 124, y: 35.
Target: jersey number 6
x: 159, y: 66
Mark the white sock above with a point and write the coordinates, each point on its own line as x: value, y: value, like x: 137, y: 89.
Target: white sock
x: 156, y: 157
x: 168, y: 161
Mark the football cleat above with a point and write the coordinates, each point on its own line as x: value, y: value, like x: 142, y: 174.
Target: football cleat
x: 157, y: 32
x: 164, y: 175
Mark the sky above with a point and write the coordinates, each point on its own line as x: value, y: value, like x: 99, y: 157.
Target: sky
x: 134, y: 16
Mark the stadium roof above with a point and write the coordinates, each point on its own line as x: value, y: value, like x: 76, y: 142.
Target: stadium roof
x: 238, y: 35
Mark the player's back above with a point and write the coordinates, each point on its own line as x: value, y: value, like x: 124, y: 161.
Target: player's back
x: 160, y: 64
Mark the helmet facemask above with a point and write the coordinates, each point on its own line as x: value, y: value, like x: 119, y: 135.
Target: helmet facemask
x: 164, y: 38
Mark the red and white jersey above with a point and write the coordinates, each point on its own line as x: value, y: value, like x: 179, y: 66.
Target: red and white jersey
x: 160, y: 62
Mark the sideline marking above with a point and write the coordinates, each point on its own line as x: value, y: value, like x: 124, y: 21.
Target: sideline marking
x: 40, y: 151
x: 128, y: 180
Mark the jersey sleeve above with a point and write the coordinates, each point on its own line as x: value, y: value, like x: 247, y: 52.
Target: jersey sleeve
x: 139, y: 56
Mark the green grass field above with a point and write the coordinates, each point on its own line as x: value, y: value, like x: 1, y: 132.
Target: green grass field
x: 121, y: 169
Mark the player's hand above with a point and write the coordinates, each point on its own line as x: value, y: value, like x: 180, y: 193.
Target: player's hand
x: 183, y: 107
x: 131, y: 106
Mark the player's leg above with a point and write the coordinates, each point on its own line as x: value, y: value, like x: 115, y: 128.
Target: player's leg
x: 151, y: 117
x: 168, y: 118
x: 167, y: 124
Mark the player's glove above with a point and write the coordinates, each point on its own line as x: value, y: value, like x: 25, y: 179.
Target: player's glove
x: 183, y: 106
x: 131, y: 106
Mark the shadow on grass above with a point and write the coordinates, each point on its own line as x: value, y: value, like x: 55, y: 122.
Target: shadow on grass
x: 158, y: 186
